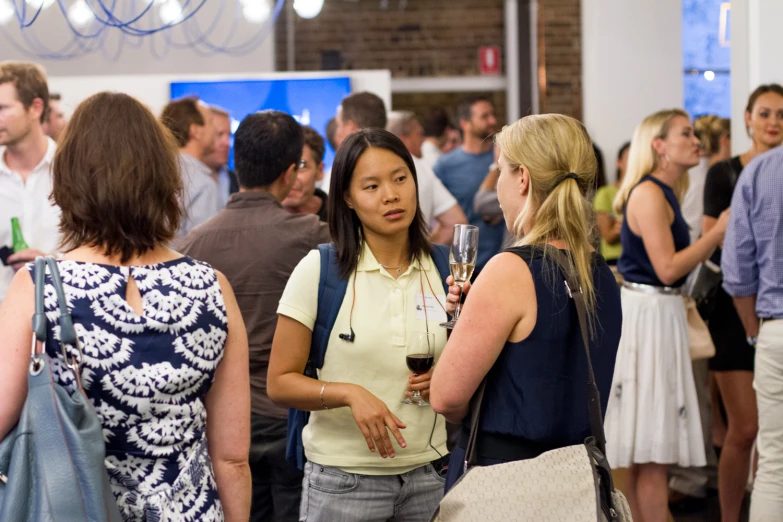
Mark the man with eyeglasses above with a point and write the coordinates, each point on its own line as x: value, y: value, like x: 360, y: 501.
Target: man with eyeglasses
x: 257, y: 244
x: 305, y: 197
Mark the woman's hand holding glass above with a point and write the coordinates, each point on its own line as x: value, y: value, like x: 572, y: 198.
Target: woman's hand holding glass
x: 421, y: 384
x: 375, y: 421
x: 454, y: 294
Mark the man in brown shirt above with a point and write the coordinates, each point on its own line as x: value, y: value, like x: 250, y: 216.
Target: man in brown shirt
x: 256, y: 243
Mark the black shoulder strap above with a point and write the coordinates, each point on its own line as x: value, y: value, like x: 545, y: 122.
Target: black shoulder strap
x: 593, y: 395
x: 733, y: 174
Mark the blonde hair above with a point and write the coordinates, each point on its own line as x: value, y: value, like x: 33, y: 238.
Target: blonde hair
x: 552, y: 146
x: 643, y: 160
x: 709, y: 129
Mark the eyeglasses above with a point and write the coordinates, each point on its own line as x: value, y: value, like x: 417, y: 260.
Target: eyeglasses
x: 302, y: 164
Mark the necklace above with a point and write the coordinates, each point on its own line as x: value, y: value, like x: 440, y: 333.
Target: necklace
x: 397, y: 268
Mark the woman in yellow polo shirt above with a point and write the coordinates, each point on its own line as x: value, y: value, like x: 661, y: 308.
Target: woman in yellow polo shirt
x: 369, y: 456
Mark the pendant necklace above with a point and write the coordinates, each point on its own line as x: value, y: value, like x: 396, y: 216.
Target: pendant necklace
x: 397, y: 268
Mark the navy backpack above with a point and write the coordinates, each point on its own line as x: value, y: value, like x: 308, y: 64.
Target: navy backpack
x: 331, y: 291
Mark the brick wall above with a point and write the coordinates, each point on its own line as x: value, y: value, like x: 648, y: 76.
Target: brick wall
x: 560, y: 56
x: 419, y: 101
x: 409, y: 37
x: 437, y: 38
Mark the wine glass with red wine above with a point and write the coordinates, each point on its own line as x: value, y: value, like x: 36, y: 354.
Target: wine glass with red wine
x: 419, y: 357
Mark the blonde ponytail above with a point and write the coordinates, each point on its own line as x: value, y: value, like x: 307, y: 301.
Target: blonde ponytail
x: 642, y: 158
x: 551, y: 147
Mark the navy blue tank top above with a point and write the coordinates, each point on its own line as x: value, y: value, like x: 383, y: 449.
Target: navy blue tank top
x: 634, y: 263
x: 536, y: 390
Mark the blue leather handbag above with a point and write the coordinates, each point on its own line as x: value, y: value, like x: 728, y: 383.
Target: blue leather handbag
x: 52, y: 464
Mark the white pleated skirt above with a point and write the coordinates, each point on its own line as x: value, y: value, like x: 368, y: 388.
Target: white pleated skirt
x: 653, y: 414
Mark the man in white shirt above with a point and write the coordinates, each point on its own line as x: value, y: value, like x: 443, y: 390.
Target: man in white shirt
x: 440, y: 208
x: 25, y: 161
x: 191, y: 124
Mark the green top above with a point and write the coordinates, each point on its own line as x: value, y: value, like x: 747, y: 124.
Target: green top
x: 603, y: 203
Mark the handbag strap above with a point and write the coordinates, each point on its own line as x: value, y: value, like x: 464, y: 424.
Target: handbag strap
x: 67, y: 330
x: 593, y: 395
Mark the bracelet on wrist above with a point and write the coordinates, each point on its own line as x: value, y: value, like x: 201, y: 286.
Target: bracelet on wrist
x: 322, y: 396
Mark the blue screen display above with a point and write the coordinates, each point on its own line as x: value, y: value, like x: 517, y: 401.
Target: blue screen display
x: 312, y: 102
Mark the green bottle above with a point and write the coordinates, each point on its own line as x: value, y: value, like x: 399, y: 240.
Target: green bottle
x: 18, y: 238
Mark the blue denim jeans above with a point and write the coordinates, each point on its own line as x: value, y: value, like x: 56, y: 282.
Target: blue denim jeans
x: 332, y: 495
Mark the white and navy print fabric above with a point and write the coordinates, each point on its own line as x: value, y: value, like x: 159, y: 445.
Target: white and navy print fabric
x: 147, y: 376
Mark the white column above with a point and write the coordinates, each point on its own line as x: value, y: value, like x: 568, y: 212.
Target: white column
x: 632, y: 66
x: 756, y: 41
x: 511, y: 24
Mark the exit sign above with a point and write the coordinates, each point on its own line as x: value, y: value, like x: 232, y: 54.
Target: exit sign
x: 489, y: 60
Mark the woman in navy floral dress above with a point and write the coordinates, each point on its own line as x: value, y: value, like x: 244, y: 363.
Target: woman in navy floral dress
x: 163, y: 348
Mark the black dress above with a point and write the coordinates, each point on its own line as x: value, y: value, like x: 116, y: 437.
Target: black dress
x: 732, y: 351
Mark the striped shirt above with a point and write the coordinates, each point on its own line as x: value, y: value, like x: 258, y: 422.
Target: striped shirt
x: 752, y: 259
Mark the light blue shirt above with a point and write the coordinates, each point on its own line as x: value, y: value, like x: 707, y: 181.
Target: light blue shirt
x: 201, y: 196
x: 462, y: 174
x: 752, y: 260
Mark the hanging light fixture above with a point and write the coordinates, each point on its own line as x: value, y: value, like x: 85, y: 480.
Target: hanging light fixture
x: 80, y: 14
x: 256, y: 11
x: 6, y: 11
x: 170, y: 12
x: 42, y: 4
x: 308, y: 8
x: 86, y: 22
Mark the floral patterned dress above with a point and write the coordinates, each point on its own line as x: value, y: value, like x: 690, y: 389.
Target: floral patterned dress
x: 147, y: 376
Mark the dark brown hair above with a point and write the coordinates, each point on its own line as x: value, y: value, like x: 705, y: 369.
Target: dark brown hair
x: 30, y: 81
x: 436, y: 122
x: 116, y: 178
x: 365, y: 109
x: 464, y: 108
x: 331, y: 130
x: 316, y: 143
x: 754, y: 96
x: 179, y: 115
x: 344, y: 224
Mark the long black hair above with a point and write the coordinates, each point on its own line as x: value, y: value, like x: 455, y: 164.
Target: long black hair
x: 344, y: 224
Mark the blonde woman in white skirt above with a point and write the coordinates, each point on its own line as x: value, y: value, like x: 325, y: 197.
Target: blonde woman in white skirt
x: 652, y: 420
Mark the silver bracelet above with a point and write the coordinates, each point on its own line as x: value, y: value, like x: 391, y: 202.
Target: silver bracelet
x: 322, y: 396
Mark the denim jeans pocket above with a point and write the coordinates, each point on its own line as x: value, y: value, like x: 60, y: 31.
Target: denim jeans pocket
x: 431, y: 471
x: 332, y: 480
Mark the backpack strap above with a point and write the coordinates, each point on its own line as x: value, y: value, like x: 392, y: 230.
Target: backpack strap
x: 331, y: 292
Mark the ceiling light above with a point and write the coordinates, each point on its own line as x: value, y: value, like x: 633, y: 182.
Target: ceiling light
x: 256, y: 12
x: 80, y: 14
x: 308, y: 8
x: 709, y: 75
x: 170, y: 12
x: 43, y: 4
x: 6, y: 12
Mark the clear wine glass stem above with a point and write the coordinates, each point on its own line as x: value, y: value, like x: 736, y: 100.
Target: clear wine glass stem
x: 458, y: 307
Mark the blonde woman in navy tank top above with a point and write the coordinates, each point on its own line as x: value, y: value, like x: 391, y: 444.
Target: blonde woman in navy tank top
x: 653, y: 418
x: 518, y: 328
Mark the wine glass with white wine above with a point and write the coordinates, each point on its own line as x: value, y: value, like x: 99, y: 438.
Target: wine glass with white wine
x: 462, y: 259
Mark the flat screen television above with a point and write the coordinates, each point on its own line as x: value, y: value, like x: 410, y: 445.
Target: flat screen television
x: 312, y: 102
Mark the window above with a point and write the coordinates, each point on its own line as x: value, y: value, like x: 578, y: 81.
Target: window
x: 706, y: 56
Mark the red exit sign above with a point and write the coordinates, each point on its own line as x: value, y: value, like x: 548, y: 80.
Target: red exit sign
x: 489, y: 60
